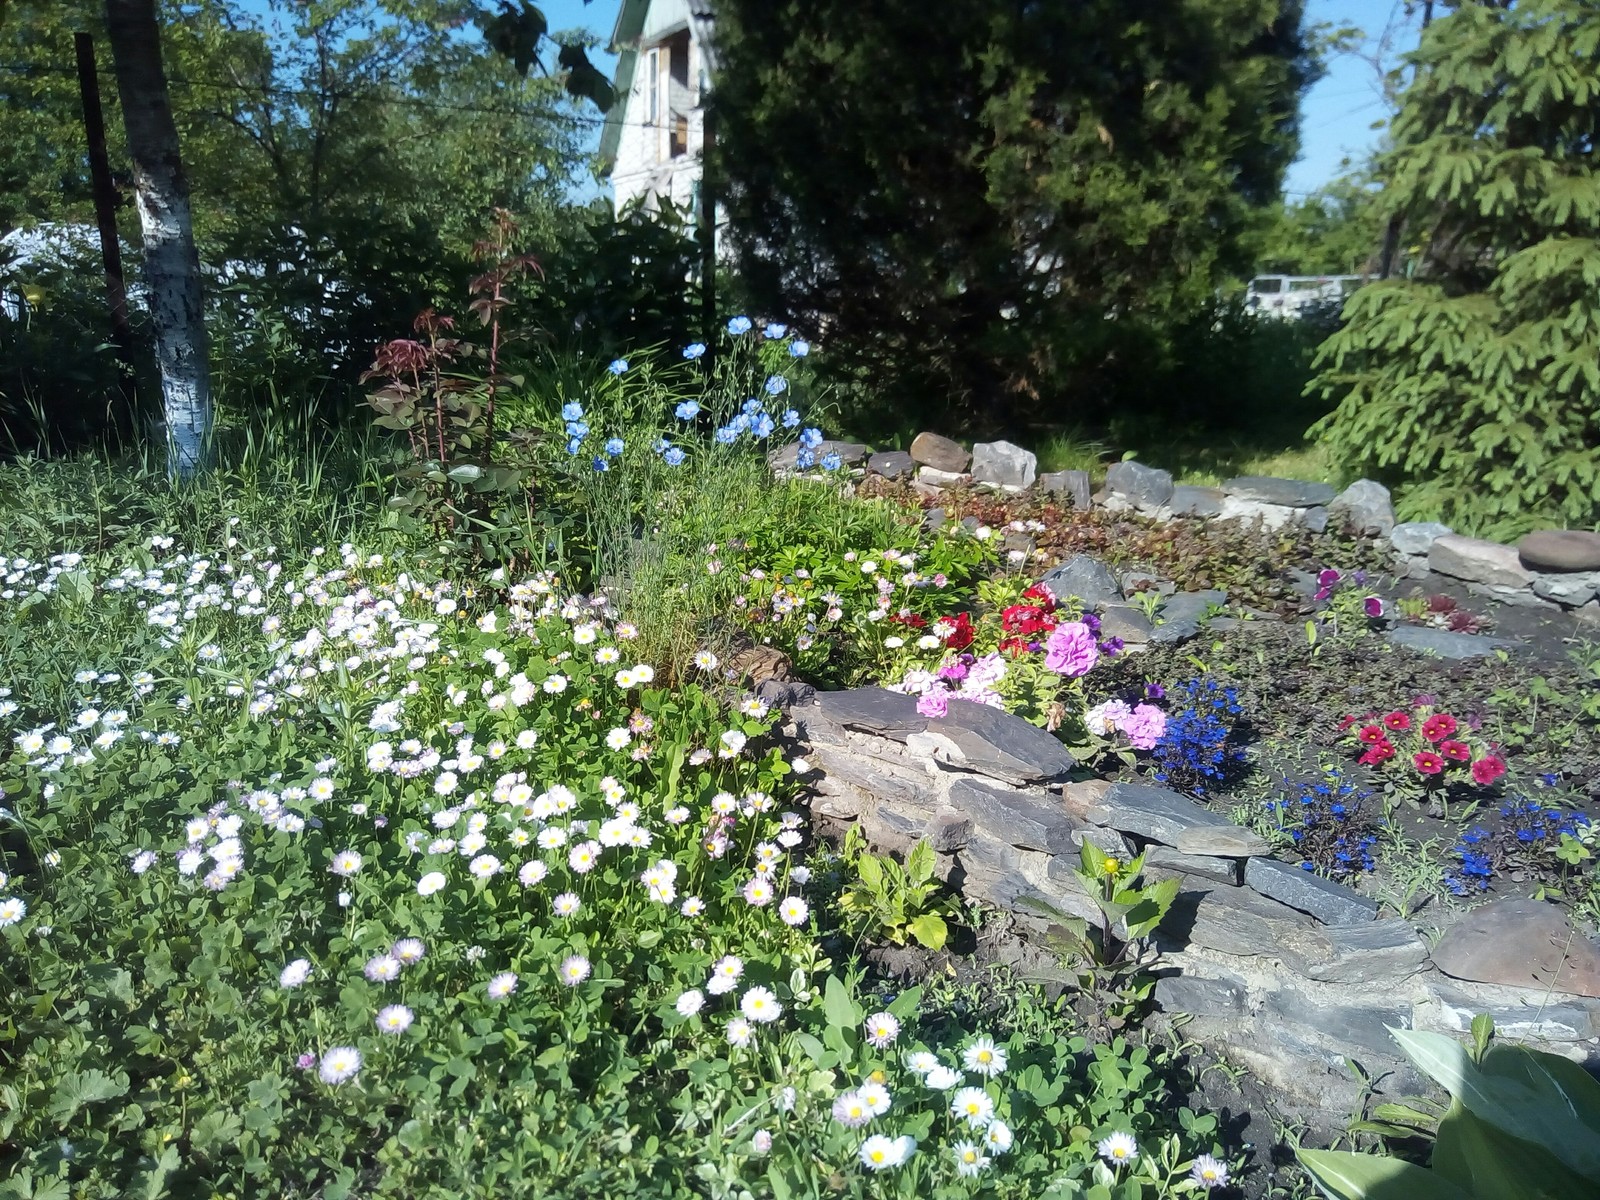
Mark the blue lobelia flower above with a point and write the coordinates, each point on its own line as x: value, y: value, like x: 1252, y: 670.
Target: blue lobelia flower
x: 739, y: 325
x: 614, y: 446
x: 791, y: 418
x: 572, y: 411
x: 694, y: 350
x: 619, y: 366
x: 799, y: 349
x: 774, y: 331
x: 672, y: 456
x: 777, y: 385
x: 687, y: 411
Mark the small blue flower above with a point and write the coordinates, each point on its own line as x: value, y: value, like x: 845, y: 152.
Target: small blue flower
x: 614, y: 446
x: 619, y: 366
x: 791, y: 418
x: 740, y: 423
x: 799, y: 349
x: 662, y: 445
x: 751, y: 407
x: 774, y: 331
x: 726, y: 436
x: 811, y: 438
x: 687, y: 411
x: 777, y: 385
x: 601, y: 464
x: 804, y: 458
x: 577, y: 429
x: 763, y: 427
x: 574, y: 445
x: 572, y: 411
x: 831, y: 462
x: 739, y: 325
x: 694, y: 350
x: 672, y: 456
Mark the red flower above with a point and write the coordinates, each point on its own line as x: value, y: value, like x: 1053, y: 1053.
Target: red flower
x: 1025, y: 619
x: 1014, y: 646
x: 911, y: 619
x: 1428, y: 762
x: 1397, y: 721
x: 1459, y: 751
x: 1438, y: 726
x: 1372, y: 735
x: 1487, y: 769
x: 1380, y: 753
x: 961, y: 637
x: 1041, y: 594
x: 1346, y: 722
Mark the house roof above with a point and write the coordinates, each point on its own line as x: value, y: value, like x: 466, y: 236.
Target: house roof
x: 625, y: 45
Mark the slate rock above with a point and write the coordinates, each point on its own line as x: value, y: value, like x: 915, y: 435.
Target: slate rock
x: 888, y: 829
x: 1165, y: 859
x: 1523, y: 943
x: 933, y: 477
x: 1004, y: 464
x: 892, y: 464
x: 993, y: 742
x: 940, y: 453
x: 934, y: 518
x: 785, y: 458
x: 1414, y: 537
x: 1269, y: 489
x: 1153, y: 812
x: 1145, y: 487
x: 1345, y: 1025
x: 1560, y: 550
x: 1027, y: 821
x: 1222, y: 841
x: 1365, y: 509
x: 1377, y: 952
x: 1572, y: 589
x: 874, y: 710
x: 949, y: 831
x: 1535, y: 1018
x: 1270, y: 516
x: 1086, y: 578
x: 1068, y: 485
x: 1179, y: 615
x: 786, y: 694
x: 1314, y: 518
x: 1191, y: 501
x: 1219, y: 995
x: 1478, y: 561
x: 1331, y: 903
x: 1125, y: 622
x: 1447, y: 643
x: 1233, y: 920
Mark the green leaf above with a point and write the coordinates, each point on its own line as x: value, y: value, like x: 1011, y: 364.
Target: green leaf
x: 1346, y: 1176
x: 1493, y: 1165
x: 929, y: 929
x: 839, y: 1008
x: 78, y: 1088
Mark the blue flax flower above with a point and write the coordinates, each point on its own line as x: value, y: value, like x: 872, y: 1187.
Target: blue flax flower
x: 799, y: 349
x: 774, y: 331
x: 614, y: 446
x: 694, y: 350
x: 672, y: 456
x: 572, y: 411
x: 831, y: 461
x: 619, y: 366
x: 777, y: 385
x: 739, y: 325
x: 601, y: 464
x: 791, y: 418
x: 687, y: 411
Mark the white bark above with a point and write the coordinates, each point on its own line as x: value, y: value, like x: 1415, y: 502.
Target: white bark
x: 171, y: 264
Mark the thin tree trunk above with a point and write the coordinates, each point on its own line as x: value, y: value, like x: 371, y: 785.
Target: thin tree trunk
x: 171, y: 264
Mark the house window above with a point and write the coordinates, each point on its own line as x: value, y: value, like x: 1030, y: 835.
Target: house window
x: 652, y: 83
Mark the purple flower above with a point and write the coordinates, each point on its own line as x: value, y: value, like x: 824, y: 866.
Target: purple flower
x: 1373, y: 606
x: 1144, y: 726
x: 935, y: 703
x: 1328, y: 577
x: 1111, y: 647
x: 956, y: 671
x: 1071, y: 650
x: 1154, y: 691
x: 306, y: 1061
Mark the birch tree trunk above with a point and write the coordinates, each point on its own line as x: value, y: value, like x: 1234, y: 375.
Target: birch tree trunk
x: 171, y: 264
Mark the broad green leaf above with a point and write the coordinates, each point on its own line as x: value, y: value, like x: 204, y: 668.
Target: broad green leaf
x: 1346, y: 1176
x: 839, y: 1007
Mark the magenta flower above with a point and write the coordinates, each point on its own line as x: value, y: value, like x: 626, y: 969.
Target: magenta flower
x: 1071, y: 650
x: 934, y: 703
x: 1373, y: 606
x: 1144, y: 726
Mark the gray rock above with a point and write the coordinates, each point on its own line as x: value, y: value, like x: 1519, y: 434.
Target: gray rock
x: 785, y: 694
x: 1524, y: 943
x: 892, y: 464
x: 1222, y: 870
x: 971, y: 524
x: 934, y: 477
x: 1222, y: 841
x: 1560, y: 550
x: 1142, y: 486
x: 1314, y: 518
x: 1084, y: 577
x: 888, y: 829
x: 1179, y: 616
x: 1029, y: 822
x: 1271, y: 516
x: 993, y: 742
x: 1478, y: 561
x: 1004, y: 464
x: 1366, y: 1028
x: 1331, y: 903
x: 1414, y: 537
x: 1447, y: 643
x: 1234, y: 920
x: 1365, y: 509
x: 1572, y: 589
x: 1125, y: 622
x: 1068, y: 485
x: 1378, y: 952
x: 1191, y: 501
x: 934, y: 518
x: 784, y: 458
x: 1222, y: 995
x: 1154, y: 813
x: 1531, y: 1017
x: 940, y: 453
x: 875, y: 710
x: 1268, y: 489
x: 949, y: 831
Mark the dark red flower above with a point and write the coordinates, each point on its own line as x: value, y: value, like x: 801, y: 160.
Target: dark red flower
x: 1380, y: 753
x: 1372, y: 735
x: 1487, y: 769
x: 961, y: 637
x: 1347, y: 721
x: 1397, y: 721
x: 911, y: 619
x: 1041, y: 595
x: 1428, y: 762
x: 1438, y: 727
x: 1459, y: 751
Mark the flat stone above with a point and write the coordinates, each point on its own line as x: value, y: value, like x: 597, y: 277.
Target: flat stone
x: 1125, y: 622
x: 785, y: 458
x: 1208, y: 915
x: 1222, y: 841
x: 1179, y: 615
x: 1345, y: 1025
x: 1086, y: 578
x: 993, y: 742
x: 1081, y: 795
x: 949, y: 830
x: 1144, y: 487
x: 1378, y: 952
x: 892, y: 464
x: 1572, y: 589
x: 1029, y: 822
x: 1165, y: 859
x: 1560, y: 550
x: 786, y: 694
x: 1529, y: 1017
x: 1414, y: 537
x: 1269, y: 489
x: 1271, y: 516
x: 940, y: 453
x: 875, y: 710
x: 1153, y: 812
x: 1314, y: 518
x: 1447, y: 643
x: 1478, y: 561
x: 934, y: 477
x: 889, y: 829
x: 1221, y: 995
x: 1191, y: 501
x: 1068, y: 485
x: 1364, y: 509
x: 1331, y: 903
x: 1004, y: 464
x: 1523, y: 943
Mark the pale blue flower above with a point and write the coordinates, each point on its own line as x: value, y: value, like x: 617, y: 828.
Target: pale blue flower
x: 614, y: 446
x: 578, y: 429
x: 831, y: 462
x: 777, y: 385
x: 811, y: 437
x: 726, y: 436
x: 687, y: 411
x: 673, y: 456
x: 572, y: 411
x: 799, y: 349
x: 574, y: 445
x: 662, y: 445
x: 619, y: 366
x: 774, y: 331
x: 751, y: 407
x: 791, y: 418
x: 763, y: 427
x: 739, y: 325
x: 694, y: 350
x: 804, y: 458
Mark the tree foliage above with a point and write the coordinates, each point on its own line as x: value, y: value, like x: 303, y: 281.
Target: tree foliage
x: 992, y: 206
x: 1476, y: 380
x: 1334, y: 231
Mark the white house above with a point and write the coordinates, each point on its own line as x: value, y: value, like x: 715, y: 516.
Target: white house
x: 654, y: 137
